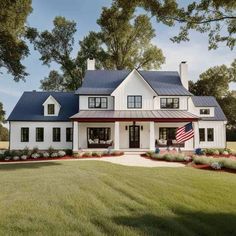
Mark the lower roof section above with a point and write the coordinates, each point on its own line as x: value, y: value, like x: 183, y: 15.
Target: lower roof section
x: 134, y: 115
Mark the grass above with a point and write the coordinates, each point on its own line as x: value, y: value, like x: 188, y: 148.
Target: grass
x: 98, y: 198
x: 231, y: 145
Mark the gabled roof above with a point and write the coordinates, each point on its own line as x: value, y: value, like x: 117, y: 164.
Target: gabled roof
x: 51, y: 98
x: 30, y: 106
x: 209, y: 101
x: 106, y: 81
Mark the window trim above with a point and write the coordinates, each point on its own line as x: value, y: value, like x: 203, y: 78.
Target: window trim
x: 21, y: 134
x: 205, y: 109
x: 135, y: 96
x: 51, y: 114
x: 94, y: 107
x: 166, y: 103
x: 69, y: 138
x: 36, y: 137
x: 53, y: 138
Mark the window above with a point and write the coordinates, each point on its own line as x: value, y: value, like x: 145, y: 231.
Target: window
x: 56, y: 134
x: 69, y: 134
x: 204, y: 111
x: 51, y: 109
x: 202, y: 135
x: 210, y: 134
x: 24, y: 134
x: 172, y: 103
x: 39, y: 134
x: 134, y: 101
x: 97, y: 102
x: 167, y: 133
x: 99, y: 134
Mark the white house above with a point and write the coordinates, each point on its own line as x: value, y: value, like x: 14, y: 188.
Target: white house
x: 123, y: 109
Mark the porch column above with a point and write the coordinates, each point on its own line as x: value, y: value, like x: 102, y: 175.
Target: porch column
x: 75, y: 136
x: 117, y: 135
x: 196, y: 135
x: 152, y: 135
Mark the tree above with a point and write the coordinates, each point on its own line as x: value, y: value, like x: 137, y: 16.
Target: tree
x: 13, y: 15
x: 215, y: 82
x: 3, y: 130
x: 215, y: 17
x: 124, y: 42
x: 2, y: 113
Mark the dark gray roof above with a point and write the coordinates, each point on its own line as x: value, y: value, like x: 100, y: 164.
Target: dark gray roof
x: 155, y: 114
x: 106, y: 81
x: 209, y: 101
x: 30, y: 106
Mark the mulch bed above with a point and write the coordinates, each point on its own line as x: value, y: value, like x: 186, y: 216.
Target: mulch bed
x: 61, y: 158
x: 208, y: 167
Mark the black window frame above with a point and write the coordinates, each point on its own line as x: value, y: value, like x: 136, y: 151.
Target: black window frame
x: 203, y: 111
x: 166, y: 133
x: 23, y: 138
x: 134, y: 102
x: 202, y: 137
x: 51, y: 105
x: 105, y: 135
x: 210, y: 136
x: 69, y: 134
x: 166, y: 106
x: 54, y: 134
x: 97, y: 100
x: 39, y: 137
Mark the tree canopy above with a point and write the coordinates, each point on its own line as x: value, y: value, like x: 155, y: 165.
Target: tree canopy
x: 215, y: 17
x: 123, y: 42
x: 13, y: 15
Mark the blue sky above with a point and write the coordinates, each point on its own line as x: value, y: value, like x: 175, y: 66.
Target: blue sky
x: 85, y: 14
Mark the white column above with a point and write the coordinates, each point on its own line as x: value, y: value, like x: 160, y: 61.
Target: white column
x: 196, y: 135
x: 117, y: 136
x: 152, y: 135
x: 75, y: 136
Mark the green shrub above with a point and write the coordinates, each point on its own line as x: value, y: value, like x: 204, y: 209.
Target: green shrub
x: 69, y: 152
x: 26, y: 151
x: 87, y: 154
x: 202, y: 160
x: 35, y: 150
x: 149, y: 153
x: 157, y: 156
x: 2, y: 156
x: 229, y: 163
x: 96, y: 154
x: 51, y: 150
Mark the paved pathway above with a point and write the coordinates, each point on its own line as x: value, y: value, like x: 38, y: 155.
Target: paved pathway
x: 126, y: 160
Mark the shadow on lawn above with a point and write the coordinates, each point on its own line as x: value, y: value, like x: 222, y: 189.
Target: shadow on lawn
x: 34, y: 165
x: 183, y: 223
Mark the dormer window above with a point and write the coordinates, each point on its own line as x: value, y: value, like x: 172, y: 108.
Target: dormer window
x: 169, y: 103
x: 204, y: 111
x: 51, y: 109
x: 134, y: 102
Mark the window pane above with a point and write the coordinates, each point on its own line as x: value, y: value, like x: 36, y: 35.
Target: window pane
x: 24, y: 134
x: 56, y: 134
x: 69, y: 134
x: 202, y: 135
x: 51, y: 109
x: 39, y: 134
x: 204, y: 111
x: 134, y: 102
x: 210, y: 134
x: 91, y: 102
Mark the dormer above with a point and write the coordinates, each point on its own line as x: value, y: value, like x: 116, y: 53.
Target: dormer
x: 51, y: 106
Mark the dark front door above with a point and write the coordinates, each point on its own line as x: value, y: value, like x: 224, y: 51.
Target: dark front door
x: 134, y: 136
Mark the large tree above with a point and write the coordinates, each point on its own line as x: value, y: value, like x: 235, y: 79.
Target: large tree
x: 13, y: 15
x: 215, y: 82
x: 215, y: 17
x: 3, y: 131
x: 124, y: 42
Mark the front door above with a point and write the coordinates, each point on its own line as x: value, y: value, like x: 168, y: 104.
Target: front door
x: 134, y: 136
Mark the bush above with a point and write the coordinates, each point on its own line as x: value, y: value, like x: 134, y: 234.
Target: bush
x: 24, y: 157
x: 7, y: 158
x: 229, y: 163
x: 35, y: 150
x: 157, y: 156
x: 202, y: 160
x: 96, y: 154
x: 46, y: 155
x: 51, y: 150
x: 2, y: 156
x: 61, y: 153
x: 216, y: 165
x: 225, y: 153
x: 35, y: 155
x: 87, y: 154
x: 199, y: 151
x: 16, y: 158
x: 26, y: 151
x: 157, y: 150
x: 149, y: 153
x: 54, y: 155
x: 69, y: 152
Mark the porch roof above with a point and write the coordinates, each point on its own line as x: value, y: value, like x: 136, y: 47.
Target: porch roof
x: 134, y: 115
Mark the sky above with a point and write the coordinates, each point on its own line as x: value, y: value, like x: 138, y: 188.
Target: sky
x: 85, y: 13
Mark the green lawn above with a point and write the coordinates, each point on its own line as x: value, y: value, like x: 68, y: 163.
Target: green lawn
x: 96, y: 198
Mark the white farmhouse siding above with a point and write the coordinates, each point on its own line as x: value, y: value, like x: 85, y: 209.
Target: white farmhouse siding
x: 196, y: 110
x: 134, y: 84
x: 51, y: 100
x: 15, y: 137
x: 83, y: 103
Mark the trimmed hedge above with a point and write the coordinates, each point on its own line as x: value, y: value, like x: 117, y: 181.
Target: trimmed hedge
x: 177, y: 157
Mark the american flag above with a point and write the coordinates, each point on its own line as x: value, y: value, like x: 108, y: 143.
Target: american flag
x: 184, y: 133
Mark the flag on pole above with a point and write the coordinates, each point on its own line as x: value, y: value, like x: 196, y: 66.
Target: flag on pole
x: 184, y: 133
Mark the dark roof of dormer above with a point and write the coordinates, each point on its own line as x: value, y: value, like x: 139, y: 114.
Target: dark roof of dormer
x: 30, y: 106
x: 104, y: 82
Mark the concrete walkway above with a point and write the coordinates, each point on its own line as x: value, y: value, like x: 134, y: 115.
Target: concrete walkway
x: 126, y: 160
x: 136, y: 160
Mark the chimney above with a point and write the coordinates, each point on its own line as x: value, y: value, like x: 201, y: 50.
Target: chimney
x: 183, y: 72
x: 91, y: 64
